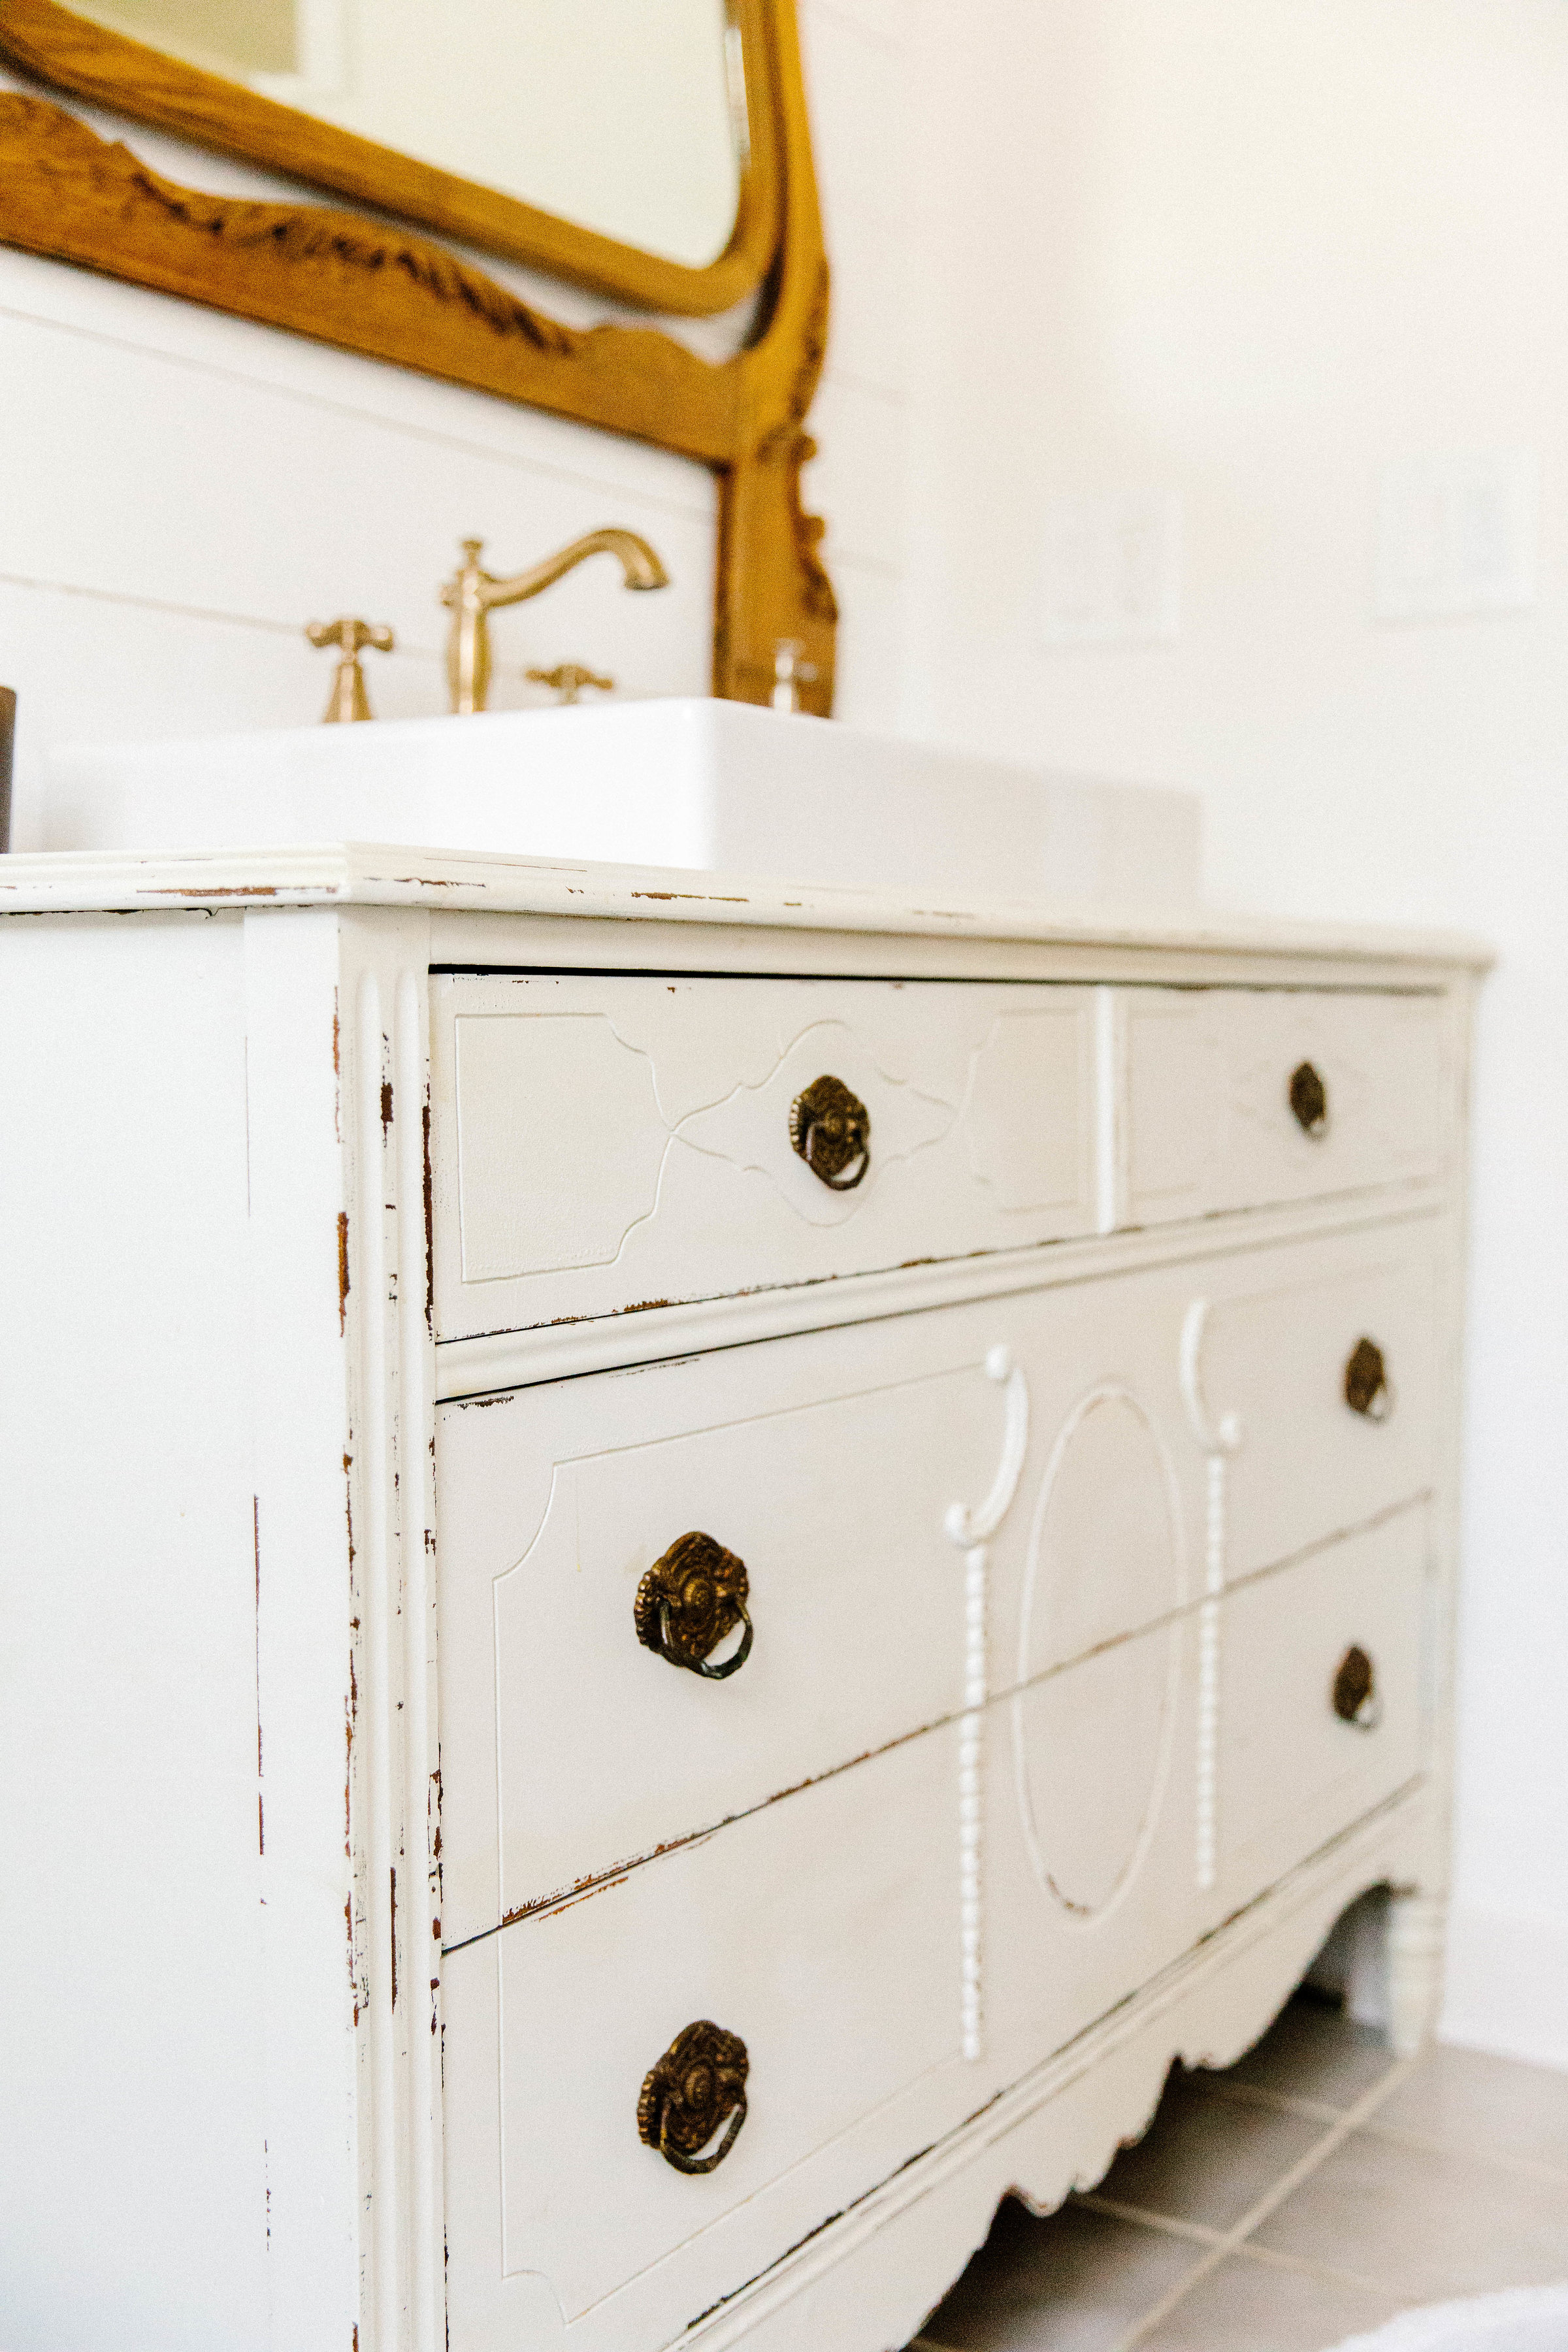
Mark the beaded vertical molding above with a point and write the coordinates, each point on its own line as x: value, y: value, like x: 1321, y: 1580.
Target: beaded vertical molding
x: 972, y: 1531
x: 1219, y: 1440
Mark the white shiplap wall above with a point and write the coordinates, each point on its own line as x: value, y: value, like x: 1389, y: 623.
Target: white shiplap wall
x: 180, y: 492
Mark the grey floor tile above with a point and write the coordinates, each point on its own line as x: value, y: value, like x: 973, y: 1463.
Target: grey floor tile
x: 1315, y: 2052
x: 1421, y: 2224
x: 1074, y: 2282
x: 1484, y: 2107
x: 1208, y: 2159
x: 1248, y: 2307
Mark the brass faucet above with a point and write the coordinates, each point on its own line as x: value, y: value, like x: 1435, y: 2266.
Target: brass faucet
x: 471, y: 596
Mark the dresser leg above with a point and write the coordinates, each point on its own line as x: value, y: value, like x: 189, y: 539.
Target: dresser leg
x: 1416, y: 1927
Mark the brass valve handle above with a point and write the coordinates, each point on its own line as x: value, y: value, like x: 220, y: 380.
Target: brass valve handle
x: 831, y: 1129
x: 351, y: 636
x: 1367, y: 1390
x: 698, y: 2083
x: 689, y: 1601
x: 567, y: 680
x: 1355, y: 1695
x: 1309, y: 1101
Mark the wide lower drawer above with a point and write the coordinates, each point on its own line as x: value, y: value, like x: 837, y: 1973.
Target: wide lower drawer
x: 824, y: 1937
x: 603, y: 1143
x: 822, y: 1468
x: 1320, y: 1698
x: 1240, y: 1097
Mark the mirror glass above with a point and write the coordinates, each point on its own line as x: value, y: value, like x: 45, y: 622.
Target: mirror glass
x: 624, y: 116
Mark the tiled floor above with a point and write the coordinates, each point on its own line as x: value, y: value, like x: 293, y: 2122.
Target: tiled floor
x: 1308, y: 2193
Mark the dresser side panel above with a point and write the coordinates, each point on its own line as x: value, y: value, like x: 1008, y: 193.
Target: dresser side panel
x: 131, y: 2067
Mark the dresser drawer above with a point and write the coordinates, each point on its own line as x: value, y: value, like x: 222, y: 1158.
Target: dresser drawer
x: 1237, y: 1098
x: 1315, y: 1369
x: 824, y: 1465
x: 1292, y: 1772
x: 605, y: 1143
x: 824, y: 1934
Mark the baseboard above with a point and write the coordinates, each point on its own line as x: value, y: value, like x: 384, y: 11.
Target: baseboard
x: 1507, y: 1987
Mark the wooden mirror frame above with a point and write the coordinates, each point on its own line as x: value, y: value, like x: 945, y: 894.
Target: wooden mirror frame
x: 370, y: 287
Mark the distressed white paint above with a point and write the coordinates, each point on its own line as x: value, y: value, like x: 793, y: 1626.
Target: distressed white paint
x: 1253, y: 254
x: 434, y: 2142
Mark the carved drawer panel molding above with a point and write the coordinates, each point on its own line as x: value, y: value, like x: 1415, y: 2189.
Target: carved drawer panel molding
x: 1292, y: 1771
x: 822, y: 1934
x: 816, y: 1462
x: 1239, y: 1099
x: 606, y: 1143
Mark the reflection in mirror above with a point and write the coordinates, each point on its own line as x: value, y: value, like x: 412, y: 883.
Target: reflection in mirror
x: 620, y: 116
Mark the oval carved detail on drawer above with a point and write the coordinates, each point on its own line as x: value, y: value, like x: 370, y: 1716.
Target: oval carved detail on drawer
x: 1092, y: 1739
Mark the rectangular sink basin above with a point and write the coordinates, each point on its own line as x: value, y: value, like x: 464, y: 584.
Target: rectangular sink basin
x: 721, y: 787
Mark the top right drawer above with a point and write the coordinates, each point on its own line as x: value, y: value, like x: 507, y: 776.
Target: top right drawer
x: 1239, y: 1098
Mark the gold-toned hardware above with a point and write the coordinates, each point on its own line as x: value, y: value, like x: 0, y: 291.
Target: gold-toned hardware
x: 1309, y: 1101
x: 698, y: 2085
x: 690, y: 1600
x: 473, y: 594
x: 1355, y: 1695
x: 831, y: 1129
x: 568, y: 678
x: 791, y: 672
x: 348, y: 698
x: 1367, y: 1389
x: 364, y: 280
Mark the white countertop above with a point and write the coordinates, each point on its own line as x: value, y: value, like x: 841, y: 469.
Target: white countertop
x: 381, y: 874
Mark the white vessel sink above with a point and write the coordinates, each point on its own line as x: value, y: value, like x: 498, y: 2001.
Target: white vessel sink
x: 717, y: 786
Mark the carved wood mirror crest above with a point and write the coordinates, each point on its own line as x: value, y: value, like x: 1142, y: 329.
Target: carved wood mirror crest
x: 352, y: 280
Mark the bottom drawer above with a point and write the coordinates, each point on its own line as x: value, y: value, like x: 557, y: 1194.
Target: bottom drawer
x: 1293, y: 1772
x: 822, y: 1931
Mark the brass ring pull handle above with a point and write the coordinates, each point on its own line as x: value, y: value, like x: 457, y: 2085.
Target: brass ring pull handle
x: 1367, y: 1390
x: 1309, y: 1101
x: 696, y: 2088
x: 831, y: 1129
x: 690, y: 1600
x: 1355, y: 1693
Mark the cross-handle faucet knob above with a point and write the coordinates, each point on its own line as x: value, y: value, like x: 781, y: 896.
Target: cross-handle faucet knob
x: 568, y: 678
x: 352, y: 636
x: 473, y: 594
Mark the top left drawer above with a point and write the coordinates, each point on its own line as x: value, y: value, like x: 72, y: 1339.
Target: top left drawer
x: 604, y: 1143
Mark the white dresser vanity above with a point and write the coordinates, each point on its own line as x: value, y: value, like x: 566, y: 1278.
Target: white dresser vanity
x: 692, y: 1569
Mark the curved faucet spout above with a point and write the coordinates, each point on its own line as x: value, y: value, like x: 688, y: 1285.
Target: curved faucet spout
x: 473, y: 593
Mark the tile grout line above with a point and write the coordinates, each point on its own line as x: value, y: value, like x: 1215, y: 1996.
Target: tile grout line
x: 1318, y: 2111
x: 1283, y: 2187
x: 1195, y: 2233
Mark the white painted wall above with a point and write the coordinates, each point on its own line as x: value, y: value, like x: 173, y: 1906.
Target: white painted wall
x: 1251, y: 252
x: 180, y: 492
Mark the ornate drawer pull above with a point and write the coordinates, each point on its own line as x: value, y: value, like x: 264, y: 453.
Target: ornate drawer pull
x: 1309, y: 1101
x: 1355, y: 1692
x: 1367, y: 1391
x: 685, y: 2097
x: 831, y: 1129
x: 689, y: 1601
